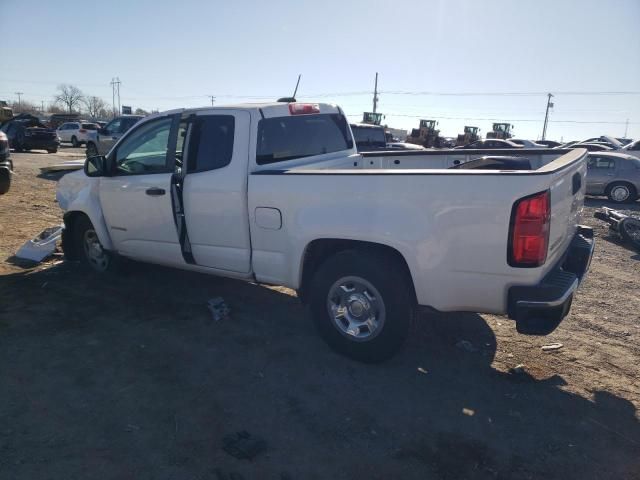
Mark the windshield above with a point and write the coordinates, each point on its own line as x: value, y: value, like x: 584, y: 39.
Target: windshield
x: 369, y: 137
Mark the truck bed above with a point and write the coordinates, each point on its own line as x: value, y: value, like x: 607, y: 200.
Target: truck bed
x: 451, y: 225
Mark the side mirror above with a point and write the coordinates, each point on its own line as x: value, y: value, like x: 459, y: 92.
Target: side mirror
x: 97, y: 166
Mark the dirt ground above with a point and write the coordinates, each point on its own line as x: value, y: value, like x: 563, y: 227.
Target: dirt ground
x: 128, y: 377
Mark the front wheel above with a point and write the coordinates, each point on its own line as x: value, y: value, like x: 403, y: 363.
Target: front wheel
x: 74, y: 142
x: 88, y: 247
x: 52, y: 150
x: 361, y: 305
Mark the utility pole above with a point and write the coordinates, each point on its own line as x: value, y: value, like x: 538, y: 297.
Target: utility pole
x: 212, y: 99
x: 115, y: 90
x: 626, y: 127
x: 42, y: 103
x: 375, y: 95
x: 546, y: 115
x: 19, y: 99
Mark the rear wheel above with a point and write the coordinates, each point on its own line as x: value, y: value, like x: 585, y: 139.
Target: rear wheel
x: 621, y: 192
x: 361, y: 305
x: 88, y: 247
x: 74, y: 142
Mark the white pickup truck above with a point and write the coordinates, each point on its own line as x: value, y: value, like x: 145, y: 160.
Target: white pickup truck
x: 276, y: 193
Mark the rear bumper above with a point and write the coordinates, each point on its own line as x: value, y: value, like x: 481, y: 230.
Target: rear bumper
x: 539, y: 309
x: 41, y: 143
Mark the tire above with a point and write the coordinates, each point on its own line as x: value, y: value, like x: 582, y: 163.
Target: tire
x: 52, y: 150
x: 74, y: 142
x: 92, y: 150
x: 351, y: 285
x: 87, y: 247
x: 629, y: 230
x: 19, y: 143
x: 5, y: 181
x: 621, y: 192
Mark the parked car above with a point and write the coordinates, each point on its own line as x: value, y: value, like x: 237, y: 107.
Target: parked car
x: 490, y: 143
x: 615, y: 175
x: 404, y: 146
x: 277, y: 194
x: 58, y: 119
x: 6, y: 166
x: 632, y: 148
x: 592, y: 147
x: 100, y: 141
x: 606, y: 140
x: 548, y: 143
x: 526, y: 143
x: 624, y: 141
x: 568, y: 144
x: 27, y: 132
x: 76, y: 132
x: 369, y: 138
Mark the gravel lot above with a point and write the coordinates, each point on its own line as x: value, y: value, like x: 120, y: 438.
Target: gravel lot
x: 128, y: 377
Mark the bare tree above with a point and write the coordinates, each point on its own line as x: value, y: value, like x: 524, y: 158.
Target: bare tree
x: 141, y: 111
x: 95, y: 105
x: 24, y: 107
x: 70, y: 96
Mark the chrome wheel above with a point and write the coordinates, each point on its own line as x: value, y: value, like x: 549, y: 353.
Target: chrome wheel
x: 356, y: 308
x: 95, y: 254
x: 620, y: 193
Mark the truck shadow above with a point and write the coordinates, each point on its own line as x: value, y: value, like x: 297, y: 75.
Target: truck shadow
x: 129, y: 373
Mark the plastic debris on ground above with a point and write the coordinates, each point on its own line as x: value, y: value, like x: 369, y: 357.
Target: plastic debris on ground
x: 552, y: 346
x: 243, y: 445
x: 42, y: 246
x: 64, y: 166
x: 218, y: 308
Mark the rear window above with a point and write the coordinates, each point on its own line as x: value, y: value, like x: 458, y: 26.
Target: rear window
x: 89, y: 126
x: 286, y: 138
x: 211, y: 142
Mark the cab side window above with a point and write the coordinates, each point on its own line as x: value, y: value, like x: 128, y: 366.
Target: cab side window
x: 210, y: 142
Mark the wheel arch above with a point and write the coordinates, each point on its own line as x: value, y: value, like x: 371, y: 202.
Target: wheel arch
x: 70, y: 219
x: 318, y: 250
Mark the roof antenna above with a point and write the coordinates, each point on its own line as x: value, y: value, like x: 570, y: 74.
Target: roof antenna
x: 292, y: 98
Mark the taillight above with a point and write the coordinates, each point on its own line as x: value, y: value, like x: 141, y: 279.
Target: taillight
x: 82, y: 130
x: 303, y: 108
x: 529, y: 232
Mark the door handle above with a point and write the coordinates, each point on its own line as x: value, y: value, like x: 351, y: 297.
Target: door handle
x: 155, y: 191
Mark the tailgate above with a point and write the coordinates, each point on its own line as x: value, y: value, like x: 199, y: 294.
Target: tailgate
x: 567, y: 190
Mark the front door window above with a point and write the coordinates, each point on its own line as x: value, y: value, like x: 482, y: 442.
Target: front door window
x: 144, y: 151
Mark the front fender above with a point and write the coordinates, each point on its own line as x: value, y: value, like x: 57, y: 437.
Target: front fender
x: 78, y: 193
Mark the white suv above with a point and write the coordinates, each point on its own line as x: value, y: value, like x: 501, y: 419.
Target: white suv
x: 76, y: 132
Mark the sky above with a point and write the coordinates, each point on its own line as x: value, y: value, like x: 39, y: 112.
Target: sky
x: 459, y: 62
